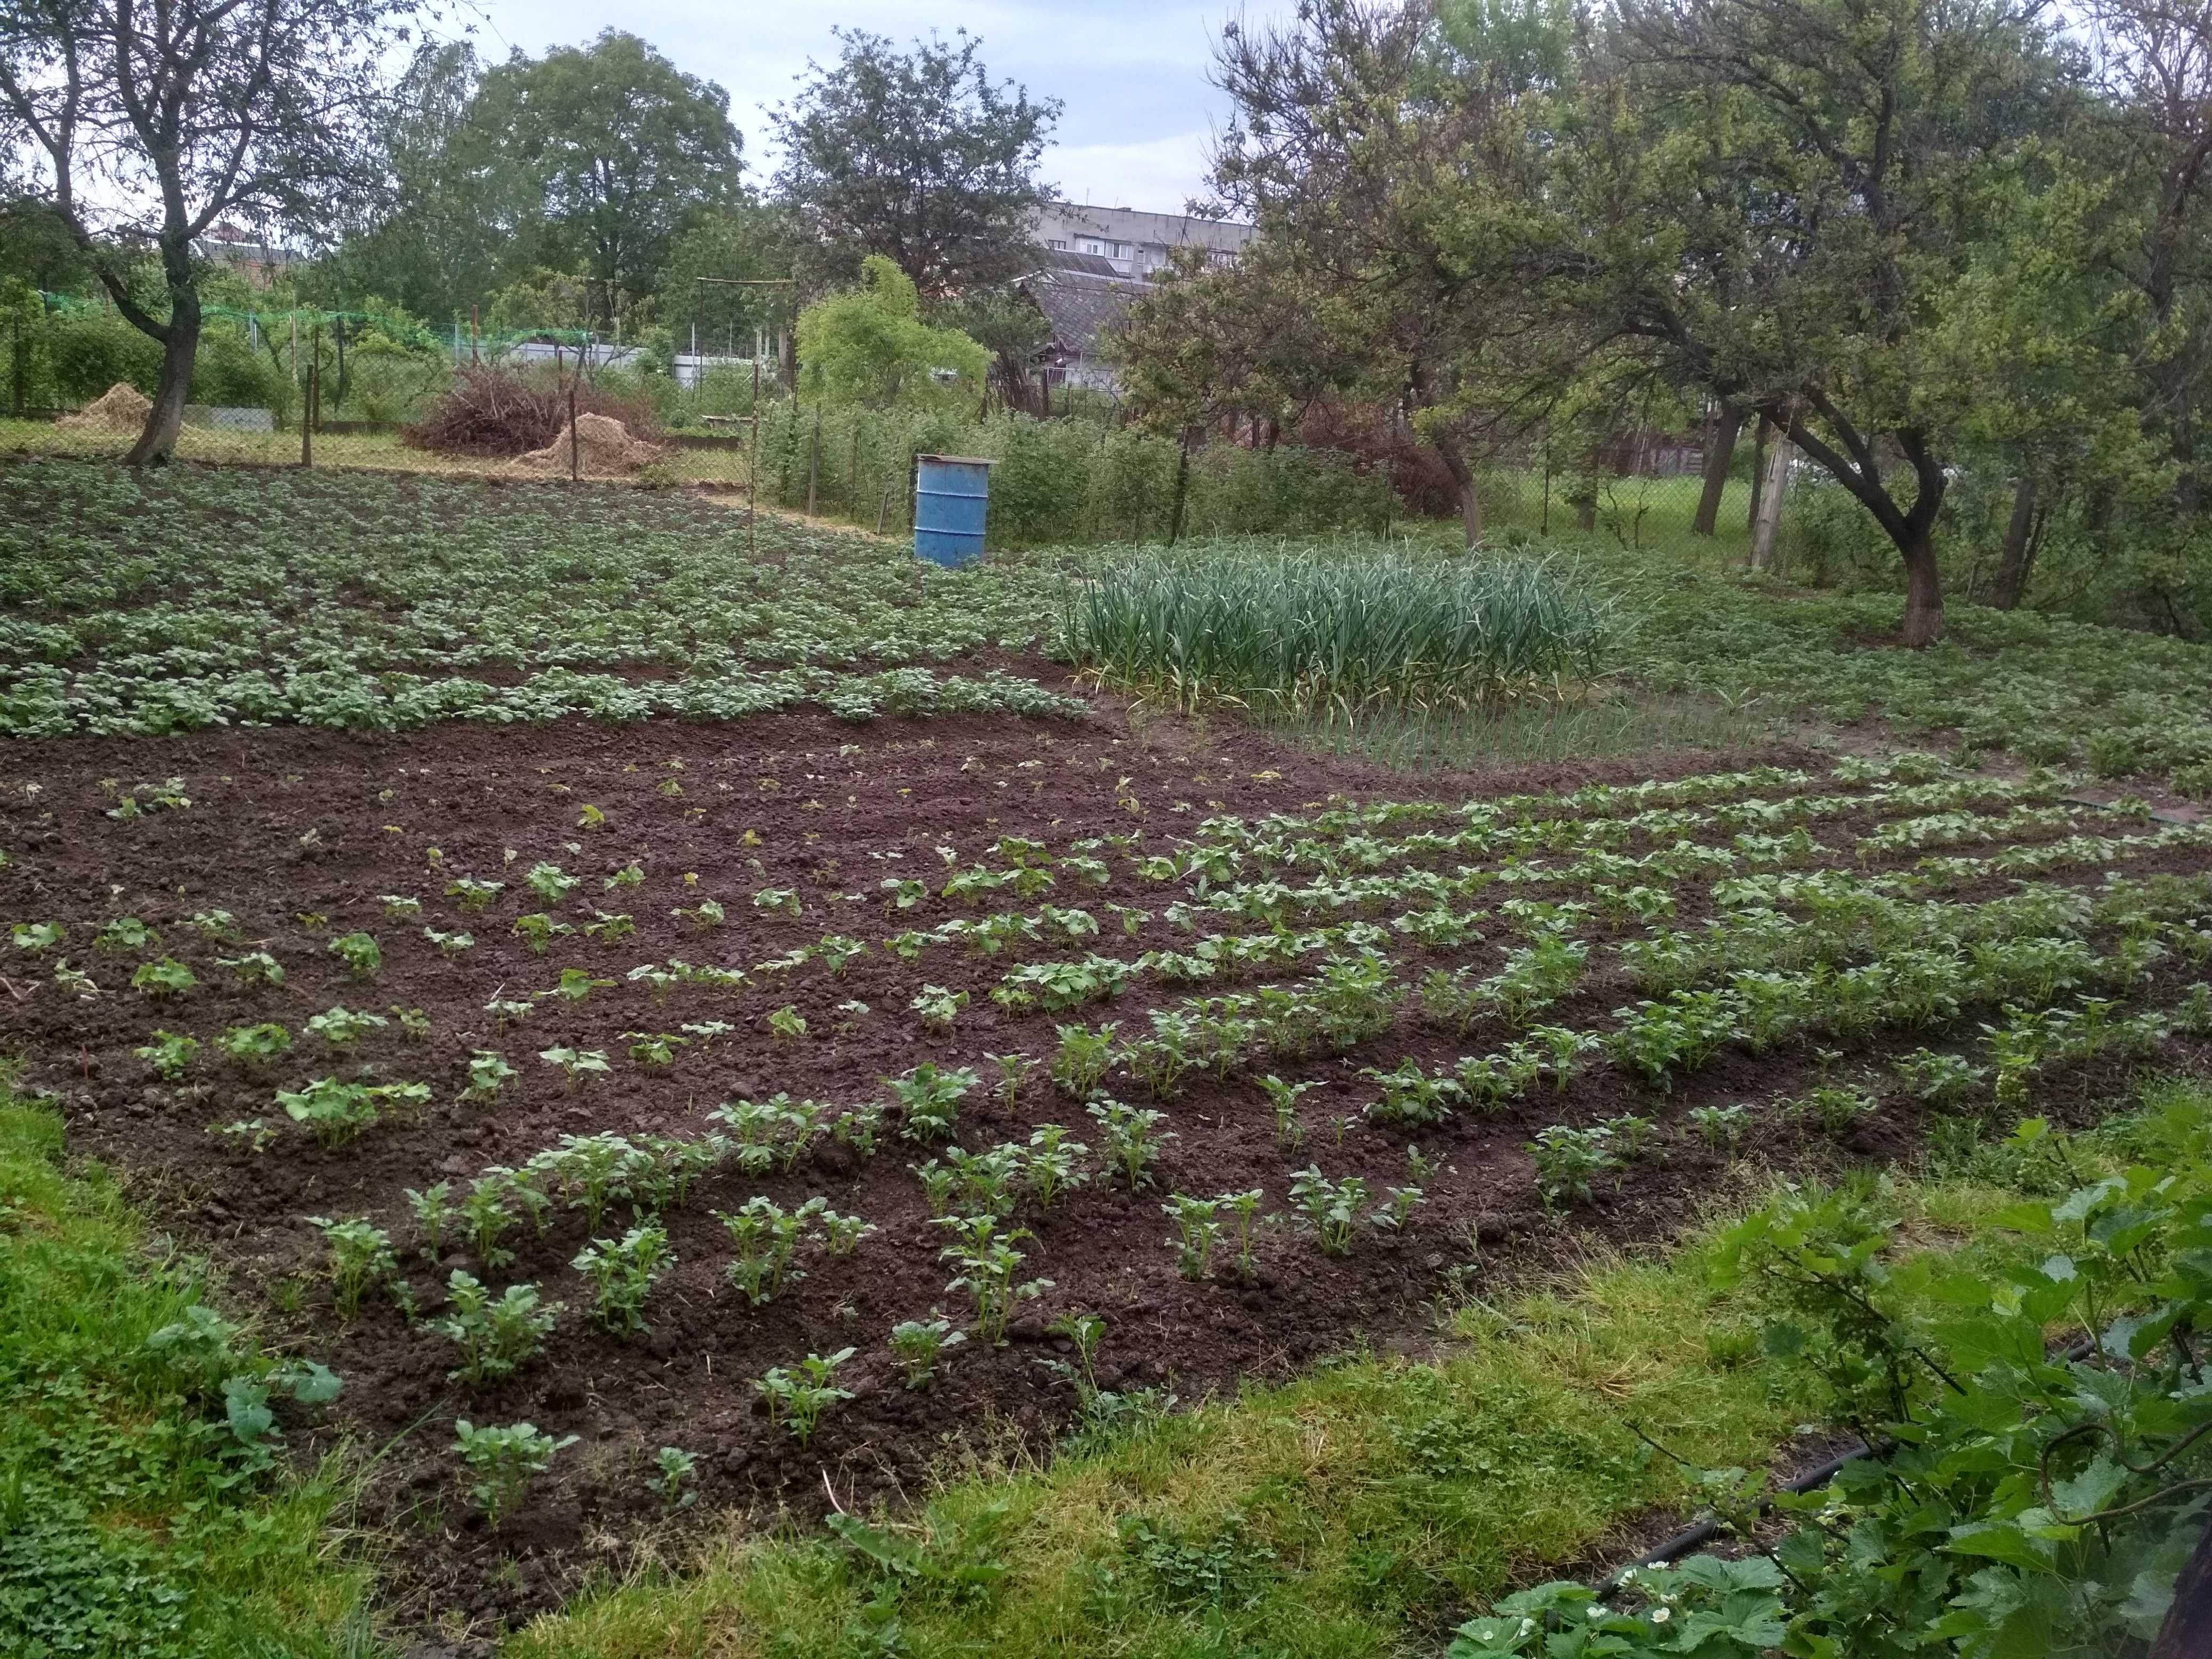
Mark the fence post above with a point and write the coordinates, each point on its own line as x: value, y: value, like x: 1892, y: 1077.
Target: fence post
x: 306, y: 397
x: 1777, y: 484
x: 19, y: 363
x: 752, y: 473
x: 814, y: 461
x: 573, y: 470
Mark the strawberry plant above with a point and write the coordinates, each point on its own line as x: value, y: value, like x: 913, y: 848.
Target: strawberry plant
x: 488, y: 1072
x: 929, y: 1099
x: 447, y: 943
x: 766, y: 1236
x: 434, y: 1217
x: 335, y: 1112
x: 504, y: 1460
x: 254, y: 967
x: 1568, y: 1160
x: 1130, y: 1137
x: 360, y: 1255
x: 704, y: 915
x: 126, y: 933
x: 938, y: 1007
x: 497, y: 1338
x: 623, y: 1272
x: 798, y: 1399
x: 249, y: 1046
x: 549, y: 882
x: 1083, y: 1056
x: 399, y: 906
x: 474, y: 894
x: 630, y: 875
x: 169, y: 1054
x: 1330, y: 1209
x: 788, y: 1023
x: 38, y: 936
x: 778, y: 901
x: 163, y: 981
x: 341, y: 1028
x: 1198, y: 1233
x: 360, y: 954
x: 579, y: 1065
x: 920, y: 1346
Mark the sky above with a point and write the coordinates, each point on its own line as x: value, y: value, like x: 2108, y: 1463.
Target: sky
x: 1139, y: 116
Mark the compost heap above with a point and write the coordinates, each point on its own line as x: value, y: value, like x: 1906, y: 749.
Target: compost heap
x: 121, y: 408
x: 603, y: 445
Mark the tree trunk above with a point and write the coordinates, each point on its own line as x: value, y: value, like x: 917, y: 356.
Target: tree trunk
x: 1583, y: 497
x: 1923, y: 590
x: 1463, y: 477
x: 1181, y: 489
x: 2187, y: 1631
x: 1728, y: 426
x: 157, y: 443
x: 2018, y: 557
x: 1774, y: 486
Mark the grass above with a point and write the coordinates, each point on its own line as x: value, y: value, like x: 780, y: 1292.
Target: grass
x: 378, y: 452
x: 1628, y: 722
x: 1335, y: 637
x: 126, y: 1525
x: 1360, y: 1510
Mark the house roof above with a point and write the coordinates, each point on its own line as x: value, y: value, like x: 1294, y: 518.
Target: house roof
x: 1081, y: 306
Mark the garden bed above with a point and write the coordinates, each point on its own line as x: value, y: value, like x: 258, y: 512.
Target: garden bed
x: 307, y: 838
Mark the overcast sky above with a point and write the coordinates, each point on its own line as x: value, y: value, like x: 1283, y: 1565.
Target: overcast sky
x: 1131, y: 74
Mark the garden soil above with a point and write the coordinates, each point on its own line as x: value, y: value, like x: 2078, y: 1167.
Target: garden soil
x: 302, y: 834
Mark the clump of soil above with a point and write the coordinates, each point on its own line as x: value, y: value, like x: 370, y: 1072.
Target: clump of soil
x: 121, y: 408
x: 599, y: 445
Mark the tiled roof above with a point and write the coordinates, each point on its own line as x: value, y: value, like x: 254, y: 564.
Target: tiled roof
x: 1081, y: 306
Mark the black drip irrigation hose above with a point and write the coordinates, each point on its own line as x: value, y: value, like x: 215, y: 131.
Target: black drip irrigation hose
x: 1709, y: 1526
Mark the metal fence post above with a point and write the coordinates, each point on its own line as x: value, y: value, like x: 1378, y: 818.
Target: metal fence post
x: 573, y: 470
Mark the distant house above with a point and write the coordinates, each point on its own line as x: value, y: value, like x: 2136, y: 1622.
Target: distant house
x: 1082, y: 301
x: 1135, y: 244
x: 1096, y: 261
x: 259, y: 261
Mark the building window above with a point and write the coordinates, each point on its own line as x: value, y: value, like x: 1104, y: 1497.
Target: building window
x: 1057, y: 243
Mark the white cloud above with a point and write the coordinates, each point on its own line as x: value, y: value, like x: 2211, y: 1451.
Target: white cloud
x: 1159, y: 174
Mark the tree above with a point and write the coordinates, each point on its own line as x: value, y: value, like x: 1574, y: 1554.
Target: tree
x: 623, y: 146
x: 1835, y: 176
x: 1354, y: 127
x: 746, y: 242
x: 918, y: 156
x: 145, y: 127
x: 869, y: 345
x: 460, y: 210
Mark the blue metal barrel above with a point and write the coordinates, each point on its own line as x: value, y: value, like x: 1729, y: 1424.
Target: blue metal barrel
x: 951, y: 499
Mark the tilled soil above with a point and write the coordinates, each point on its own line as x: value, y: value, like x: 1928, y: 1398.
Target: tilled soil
x: 302, y: 834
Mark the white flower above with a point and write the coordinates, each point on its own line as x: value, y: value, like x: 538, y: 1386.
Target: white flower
x: 1596, y: 1610
x: 1661, y: 1616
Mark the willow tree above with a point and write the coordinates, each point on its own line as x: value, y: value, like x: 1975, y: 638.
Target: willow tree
x: 144, y: 127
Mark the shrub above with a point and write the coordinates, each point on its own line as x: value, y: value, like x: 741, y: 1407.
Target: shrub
x: 498, y: 412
